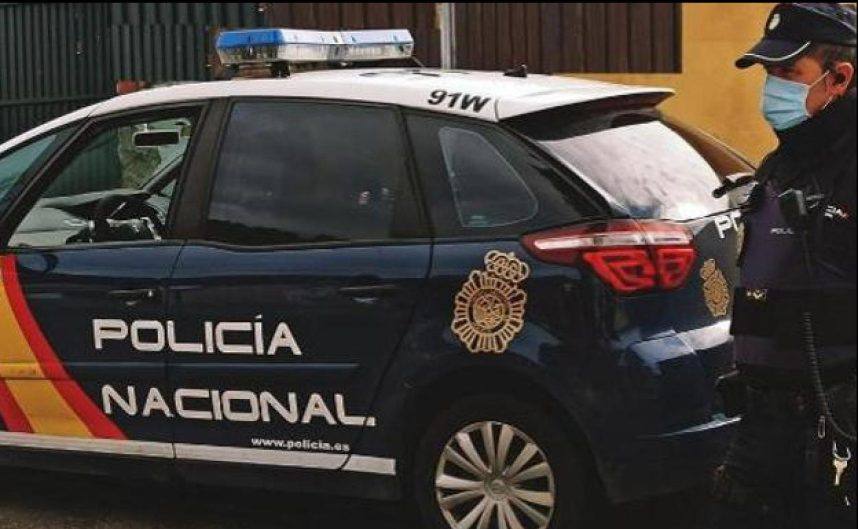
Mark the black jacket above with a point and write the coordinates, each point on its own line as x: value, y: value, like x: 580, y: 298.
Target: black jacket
x: 819, y: 158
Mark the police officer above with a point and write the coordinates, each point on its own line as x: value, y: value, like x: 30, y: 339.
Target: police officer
x: 798, y: 277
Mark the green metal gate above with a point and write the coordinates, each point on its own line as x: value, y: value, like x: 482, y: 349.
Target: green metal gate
x: 56, y: 57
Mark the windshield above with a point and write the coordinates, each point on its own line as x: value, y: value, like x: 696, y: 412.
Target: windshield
x: 650, y: 166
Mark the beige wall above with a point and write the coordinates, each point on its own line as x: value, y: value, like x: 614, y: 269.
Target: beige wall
x: 710, y: 92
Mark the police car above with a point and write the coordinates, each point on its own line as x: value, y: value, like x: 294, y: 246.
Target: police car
x: 499, y: 295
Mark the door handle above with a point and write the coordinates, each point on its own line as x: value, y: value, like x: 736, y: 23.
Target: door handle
x: 135, y: 296
x: 370, y: 291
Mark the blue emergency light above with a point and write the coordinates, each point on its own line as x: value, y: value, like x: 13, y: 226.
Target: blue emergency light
x: 276, y: 45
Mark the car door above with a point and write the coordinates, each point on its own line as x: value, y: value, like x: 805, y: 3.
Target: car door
x: 84, y: 265
x: 301, y: 285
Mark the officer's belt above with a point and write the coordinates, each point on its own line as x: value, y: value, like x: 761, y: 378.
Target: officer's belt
x: 777, y: 314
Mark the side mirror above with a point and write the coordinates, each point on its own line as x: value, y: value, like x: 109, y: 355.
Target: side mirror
x: 148, y: 139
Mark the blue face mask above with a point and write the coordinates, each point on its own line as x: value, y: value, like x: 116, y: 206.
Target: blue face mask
x: 785, y: 102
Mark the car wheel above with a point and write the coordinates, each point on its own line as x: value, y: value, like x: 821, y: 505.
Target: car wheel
x: 494, y: 462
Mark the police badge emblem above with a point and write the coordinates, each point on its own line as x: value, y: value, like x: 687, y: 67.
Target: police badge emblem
x: 716, y: 291
x: 489, y: 309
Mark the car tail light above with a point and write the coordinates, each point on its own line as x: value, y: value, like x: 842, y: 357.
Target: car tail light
x: 630, y: 256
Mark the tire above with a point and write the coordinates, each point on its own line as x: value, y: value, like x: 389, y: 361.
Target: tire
x: 561, y: 491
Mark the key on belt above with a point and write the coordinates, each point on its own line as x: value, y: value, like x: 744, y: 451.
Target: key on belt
x: 840, y: 462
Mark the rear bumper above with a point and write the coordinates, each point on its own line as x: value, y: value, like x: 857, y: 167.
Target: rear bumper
x: 668, y: 462
x: 672, y: 432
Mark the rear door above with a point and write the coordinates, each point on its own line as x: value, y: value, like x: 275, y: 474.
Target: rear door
x: 303, y: 281
x: 84, y: 343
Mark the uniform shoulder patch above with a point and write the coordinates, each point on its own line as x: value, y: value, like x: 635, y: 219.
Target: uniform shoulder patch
x: 489, y: 308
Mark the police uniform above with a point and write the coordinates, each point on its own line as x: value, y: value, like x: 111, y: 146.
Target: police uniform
x: 779, y: 470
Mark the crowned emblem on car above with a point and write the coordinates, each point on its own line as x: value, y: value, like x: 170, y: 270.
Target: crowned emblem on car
x: 716, y: 291
x: 489, y: 310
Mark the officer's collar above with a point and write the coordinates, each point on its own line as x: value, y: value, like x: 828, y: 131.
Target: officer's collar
x: 823, y: 132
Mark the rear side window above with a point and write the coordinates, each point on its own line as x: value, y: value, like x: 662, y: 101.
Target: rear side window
x: 298, y: 173
x: 482, y: 182
x: 474, y: 165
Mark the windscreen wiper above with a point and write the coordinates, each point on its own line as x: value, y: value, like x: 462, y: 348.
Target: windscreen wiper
x: 741, y: 179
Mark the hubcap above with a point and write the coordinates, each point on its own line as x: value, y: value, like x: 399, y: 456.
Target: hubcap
x: 493, y: 476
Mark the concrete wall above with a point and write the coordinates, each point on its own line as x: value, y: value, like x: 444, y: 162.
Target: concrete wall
x: 710, y: 92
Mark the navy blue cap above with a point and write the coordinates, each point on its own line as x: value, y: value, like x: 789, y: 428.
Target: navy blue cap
x: 792, y: 27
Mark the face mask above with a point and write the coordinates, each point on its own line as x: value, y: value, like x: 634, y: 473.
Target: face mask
x: 785, y: 102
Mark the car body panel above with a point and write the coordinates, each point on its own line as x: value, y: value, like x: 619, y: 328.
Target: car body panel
x: 624, y: 372
x: 506, y: 96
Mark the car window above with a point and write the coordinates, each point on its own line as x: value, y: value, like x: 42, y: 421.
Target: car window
x: 482, y: 182
x: 14, y: 165
x: 299, y: 172
x: 114, y: 186
x: 475, y: 165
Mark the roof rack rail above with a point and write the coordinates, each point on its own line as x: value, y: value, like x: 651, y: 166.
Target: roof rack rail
x: 279, y: 52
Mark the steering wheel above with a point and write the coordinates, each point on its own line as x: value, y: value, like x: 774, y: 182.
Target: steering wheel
x: 125, y: 211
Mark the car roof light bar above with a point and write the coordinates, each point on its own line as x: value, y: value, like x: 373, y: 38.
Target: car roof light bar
x: 282, y: 45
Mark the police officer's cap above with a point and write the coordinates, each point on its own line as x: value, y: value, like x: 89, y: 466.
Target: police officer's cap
x: 792, y: 27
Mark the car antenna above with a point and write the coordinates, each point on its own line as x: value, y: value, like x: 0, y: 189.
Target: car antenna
x: 518, y: 71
